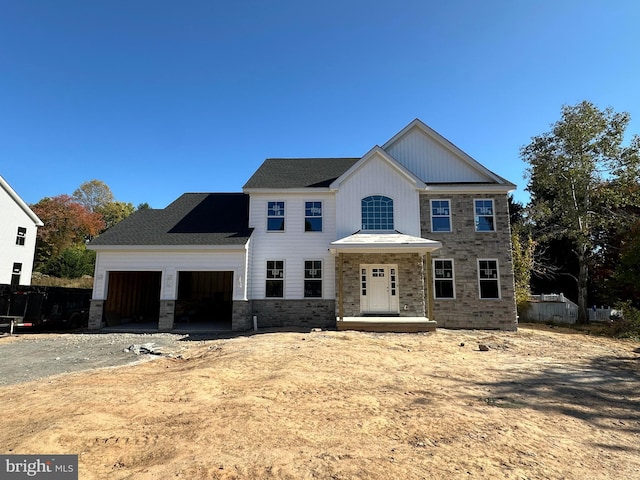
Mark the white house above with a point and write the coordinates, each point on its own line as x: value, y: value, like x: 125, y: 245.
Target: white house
x: 19, y: 226
x: 412, y: 234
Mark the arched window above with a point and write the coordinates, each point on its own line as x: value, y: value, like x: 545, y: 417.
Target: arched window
x: 377, y: 213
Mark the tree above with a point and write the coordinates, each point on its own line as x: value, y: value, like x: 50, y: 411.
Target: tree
x: 93, y: 195
x: 66, y: 223
x: 577, y: 175
x: 114, y: 212
x: 522, y: 246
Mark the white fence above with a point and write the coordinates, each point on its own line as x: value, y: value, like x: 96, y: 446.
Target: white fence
x: 556, y: 308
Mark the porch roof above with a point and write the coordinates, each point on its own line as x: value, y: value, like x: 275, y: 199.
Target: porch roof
x: 394, y: 242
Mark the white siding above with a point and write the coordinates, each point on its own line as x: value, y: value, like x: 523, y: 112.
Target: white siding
x: 377, y: 177
x: 294, y: 245
x: 432, y: 162
x: 13, y: 216
x: 170, y: 262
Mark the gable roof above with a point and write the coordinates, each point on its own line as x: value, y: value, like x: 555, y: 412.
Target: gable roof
x: 298, y: 172
x: 14, y: 196
x: 442, y: 152
x: 380, y: 153
x: 204, y: 219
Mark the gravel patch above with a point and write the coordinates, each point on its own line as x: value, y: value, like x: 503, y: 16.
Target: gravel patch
x: 27, y: 357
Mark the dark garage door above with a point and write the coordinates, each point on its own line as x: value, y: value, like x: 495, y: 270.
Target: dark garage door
x: 133, y: 297
x: 205, y: 297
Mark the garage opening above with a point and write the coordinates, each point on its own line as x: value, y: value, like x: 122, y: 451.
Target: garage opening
x: 204, y: 299
x: 133, y: 297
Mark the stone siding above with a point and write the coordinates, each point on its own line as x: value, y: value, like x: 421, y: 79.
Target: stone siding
x: 167, y: 315
x: 410, y: 282
x: 307, y: 313
x: 95, y: 315
x: 241, y: 316
x: 464, y: 245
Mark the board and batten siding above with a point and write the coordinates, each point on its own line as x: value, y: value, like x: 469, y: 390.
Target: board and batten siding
x: 294, y: 245
x: 378, y: 177
x: 430, y: 161
x: 170, y: 262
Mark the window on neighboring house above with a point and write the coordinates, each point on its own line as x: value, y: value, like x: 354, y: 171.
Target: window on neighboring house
x: 377, y: 213
x: 15, y: 274
x: 484, y: 215
x: 440, y: 216
x: 443, y: 279
x: 312, y: 216
x: 275, y: 279
x: 275, y: 216
x: 22, y: 234
x: 313, y: 278
x: 488, y: 279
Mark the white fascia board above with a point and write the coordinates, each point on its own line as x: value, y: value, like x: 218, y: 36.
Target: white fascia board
x: 16, y: 198
x: 481, y: 188
x: 419, y: 184
x: 430, y: 132
x: 285, y: 191
x: 172, y: 248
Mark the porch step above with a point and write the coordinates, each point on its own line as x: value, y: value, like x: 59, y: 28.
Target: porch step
x: 387, y: 324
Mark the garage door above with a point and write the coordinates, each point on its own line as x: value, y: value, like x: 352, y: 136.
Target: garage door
x: 205, y: 297
x: 133, y: 297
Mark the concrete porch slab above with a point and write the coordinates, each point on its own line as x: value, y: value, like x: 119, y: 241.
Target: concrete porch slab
x: 386, y: 324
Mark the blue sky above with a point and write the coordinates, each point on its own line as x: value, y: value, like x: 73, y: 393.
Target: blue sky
x: 157, y: 98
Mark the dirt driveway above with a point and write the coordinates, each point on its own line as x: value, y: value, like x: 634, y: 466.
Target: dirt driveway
x: 344, y: 405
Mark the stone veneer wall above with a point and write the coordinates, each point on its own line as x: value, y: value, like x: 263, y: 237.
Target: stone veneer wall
x: 241, y: 316
x: 167, y: 315
x: 411, y: 286
x: 307, y: 313
x: 95, y: 315
x: 464, y: 245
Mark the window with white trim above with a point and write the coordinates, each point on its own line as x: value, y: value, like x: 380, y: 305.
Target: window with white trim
x: 440, y: 216
x: 275, y: 216
x: 443, y: 279
x: 484, y: 215
x: 21, y: 236
x: 377, y: 213
x: 274, y: 287
x: 312, y: 216
x: 313, y: 278
x: 488, y: 279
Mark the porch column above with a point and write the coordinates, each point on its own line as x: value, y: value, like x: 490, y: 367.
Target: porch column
x: 429, y: 288
x: 340, y: 288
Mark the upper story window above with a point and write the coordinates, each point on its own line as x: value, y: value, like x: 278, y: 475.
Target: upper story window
x: 484, y: 215
x: 312, y: 216
x: 15, y: 274
x: 22, y: 234
x: 275, y: 216
x: 440, y: 216
x: 377, y: 213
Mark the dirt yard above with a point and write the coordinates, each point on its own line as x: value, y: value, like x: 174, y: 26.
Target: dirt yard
x: 539, y: 404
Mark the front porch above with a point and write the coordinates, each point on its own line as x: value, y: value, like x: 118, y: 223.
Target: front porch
x: 386, y: 324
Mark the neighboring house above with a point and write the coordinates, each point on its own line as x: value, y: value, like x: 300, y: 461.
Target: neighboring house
x: 415, y: 230
x: 18, y: 229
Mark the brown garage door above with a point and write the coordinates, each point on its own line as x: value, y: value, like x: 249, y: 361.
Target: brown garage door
x: 205, y: 297
x: 133, y: 297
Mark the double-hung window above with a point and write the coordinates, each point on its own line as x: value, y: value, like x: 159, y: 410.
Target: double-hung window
x: 377, y: 213
x: 275, y: 216
x: 21, y: 236
x: 275, y: 279
x: 443, y: 279
x: 313, y: 278
x: 312, y: 216
x: 484, y: 215
x: 440, y: 216
x: 15, y: 274
x: 488, y: 278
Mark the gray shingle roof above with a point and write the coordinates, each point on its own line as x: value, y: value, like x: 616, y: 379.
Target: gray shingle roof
x: 299, y: 172
x: 192, y: 219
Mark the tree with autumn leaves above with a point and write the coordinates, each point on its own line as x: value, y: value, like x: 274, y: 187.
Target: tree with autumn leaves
x: 69, y: 223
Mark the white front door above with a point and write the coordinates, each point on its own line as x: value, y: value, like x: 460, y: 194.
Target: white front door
x: 379, y: 289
